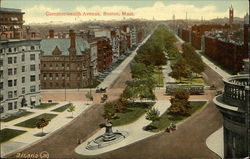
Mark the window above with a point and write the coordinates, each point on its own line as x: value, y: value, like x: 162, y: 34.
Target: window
x: 23, y: 79
x: 68, y: 75
x: 32, y: 57
x: 10, y: 106
x: 1, y: 73
x: 9, y: 60
x: 1, y: 85
x: 15, y: 105
x: 50, y: 66
x: 23, y: 57
x: 32, y: 88
x: 14, y: 59
x: 1, y: 62
x: 15, y: 82
x: 15, y: 71
x: 23, y: 90
x: 56, y: 76
x: 32, y: 67
x: 63, y: 76
x: 10, y: 84
x: 32, y: 48
x: 15, y: 93
x: 44, y: 76
x: 32, y: 78
x: 44, y: 65
x: 50, y: 76
x: 10, y: 72
x: 10, y: 94
x: 23, y: 68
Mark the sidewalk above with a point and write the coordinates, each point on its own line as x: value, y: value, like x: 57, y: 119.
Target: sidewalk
x: 21, y: 141
x: 107, y: 82
x: 215, y: 142
x: 135, y: 131
x: 167, y: 69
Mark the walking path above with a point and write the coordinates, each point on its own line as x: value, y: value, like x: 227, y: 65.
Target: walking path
x: 166, y: 70
x: 135, y: 131
x: 31, y: 136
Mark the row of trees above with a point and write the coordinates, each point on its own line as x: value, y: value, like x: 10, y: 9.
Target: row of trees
x: 189, y: 62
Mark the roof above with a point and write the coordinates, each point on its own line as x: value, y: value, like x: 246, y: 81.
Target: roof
x: 48, y: 46
x: 11, y: 10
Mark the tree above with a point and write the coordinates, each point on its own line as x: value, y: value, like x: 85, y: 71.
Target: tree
x: 179, y: 103
x: 109, y: 111
x: 41, y: 123
x: 153, y: 114
x: 141, y: 71
x: 71, y: 108
x: 180, y: 70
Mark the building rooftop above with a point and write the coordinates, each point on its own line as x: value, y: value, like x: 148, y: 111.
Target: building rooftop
x: 10, y: 10
x: 48, y: 46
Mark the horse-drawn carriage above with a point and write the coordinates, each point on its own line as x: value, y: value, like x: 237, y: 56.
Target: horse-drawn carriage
x: 100, y: 90
x: 104, y: 98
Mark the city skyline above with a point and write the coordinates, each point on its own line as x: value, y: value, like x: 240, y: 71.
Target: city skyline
x: 44, y: 11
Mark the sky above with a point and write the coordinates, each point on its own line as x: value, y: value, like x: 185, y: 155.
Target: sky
x: 43, y: 11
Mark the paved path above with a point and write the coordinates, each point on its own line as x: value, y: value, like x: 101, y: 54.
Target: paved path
x: 166, y: 70
x: 215, y: 142
x: 62, y: 119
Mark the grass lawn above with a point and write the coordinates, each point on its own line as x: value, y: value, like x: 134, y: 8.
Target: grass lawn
x: 94, y: 84
x: 166, y: 119
x: 158, y: 76
x: 15, y: 116
x: 196, y: 80
x: 7, y: 134
x: 61, y: 109
x: 131, y: 114
x: 46, y: 105
x: 31, y: 123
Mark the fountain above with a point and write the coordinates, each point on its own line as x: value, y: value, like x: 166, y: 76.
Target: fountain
x: 108, y: 138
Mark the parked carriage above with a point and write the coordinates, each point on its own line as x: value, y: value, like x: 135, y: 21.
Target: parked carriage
x: 192, y: 89
x: 100, y: 90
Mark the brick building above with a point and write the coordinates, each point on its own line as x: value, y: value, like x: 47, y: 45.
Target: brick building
x: 104, y: 54
x: 65, y: 63
x: 11, y: 22
x: 226, y: 53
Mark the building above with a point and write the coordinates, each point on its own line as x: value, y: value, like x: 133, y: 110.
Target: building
x: 234, y: 106
x: 231, y: 15
x: 65, y: 63
x: 104, y: 54
x: 11, y: 23
x: 19, y: 74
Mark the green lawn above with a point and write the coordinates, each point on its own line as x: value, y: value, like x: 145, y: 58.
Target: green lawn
x: 46, y: 105
x: 94, y: 84
x: 166, y: 118
x: 31, y: 123
x: 7, y: 134
x: 62, y: 108
x: 158, y: 76
x: 131, y: 114
x: 15, y: 116
x: 195, y: 80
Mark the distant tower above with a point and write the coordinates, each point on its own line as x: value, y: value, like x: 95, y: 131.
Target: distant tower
x: 231, y: 15
x: 173, y: 17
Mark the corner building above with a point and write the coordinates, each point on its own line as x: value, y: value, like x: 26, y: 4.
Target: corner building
x: 234, y: 106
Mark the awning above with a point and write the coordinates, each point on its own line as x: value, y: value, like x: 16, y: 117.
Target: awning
x: 33, y: 99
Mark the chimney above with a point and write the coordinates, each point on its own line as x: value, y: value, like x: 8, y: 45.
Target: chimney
x: 51, y: 34
x: 33, y: 35
x: 72, y: 36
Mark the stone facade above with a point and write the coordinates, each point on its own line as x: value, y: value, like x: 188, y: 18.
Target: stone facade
x: 66, y: 63
x: 234, y: 106
x: 19, y: 74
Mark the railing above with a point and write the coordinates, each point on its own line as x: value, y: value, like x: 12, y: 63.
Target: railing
x: 235, y: 91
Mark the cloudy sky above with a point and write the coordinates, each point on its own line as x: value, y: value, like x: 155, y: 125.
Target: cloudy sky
x: 41, y: 11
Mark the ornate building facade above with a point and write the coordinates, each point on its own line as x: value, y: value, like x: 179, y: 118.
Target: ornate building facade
x: 234, y: 106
